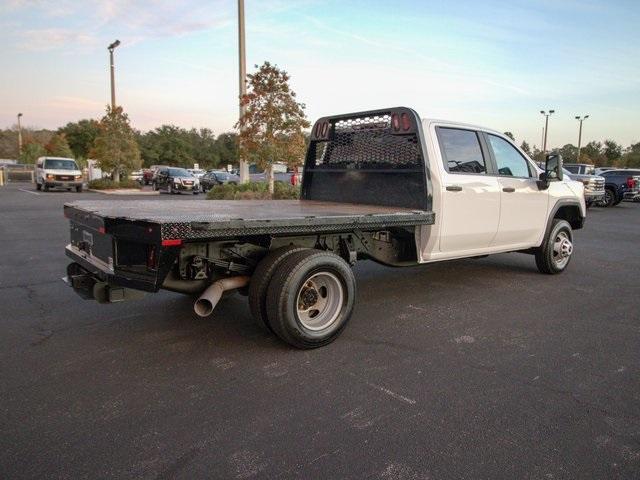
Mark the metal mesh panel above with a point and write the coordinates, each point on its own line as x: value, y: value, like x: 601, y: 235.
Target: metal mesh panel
x: 367, y: 143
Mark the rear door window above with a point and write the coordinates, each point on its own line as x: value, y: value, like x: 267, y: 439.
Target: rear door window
x: 461, y: 151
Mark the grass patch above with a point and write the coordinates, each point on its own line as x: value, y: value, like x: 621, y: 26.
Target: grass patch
x: 254, y: 191
x: 108, y: 184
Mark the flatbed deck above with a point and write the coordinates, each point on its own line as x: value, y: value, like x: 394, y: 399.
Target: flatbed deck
x: 212, y: 219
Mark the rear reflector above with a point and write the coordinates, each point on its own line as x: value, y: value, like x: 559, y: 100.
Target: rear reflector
x: 101, y: 230
x: 151, y: 257
x: 172, y: 242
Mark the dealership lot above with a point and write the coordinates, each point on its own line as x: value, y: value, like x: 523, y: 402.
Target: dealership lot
x: 468, y: 369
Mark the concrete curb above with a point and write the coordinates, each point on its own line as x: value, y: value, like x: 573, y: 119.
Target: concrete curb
x: 125, y: 191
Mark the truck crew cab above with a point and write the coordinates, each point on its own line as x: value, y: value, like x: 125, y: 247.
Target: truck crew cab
x: 381, y: 185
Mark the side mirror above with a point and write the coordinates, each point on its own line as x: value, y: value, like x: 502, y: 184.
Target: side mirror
x: 543, y: 182
x: 553, y: 167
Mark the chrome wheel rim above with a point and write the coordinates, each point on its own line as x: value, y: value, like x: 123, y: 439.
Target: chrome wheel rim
x: 608, y: 197
x: 319, y: 301
x: 562, y: 249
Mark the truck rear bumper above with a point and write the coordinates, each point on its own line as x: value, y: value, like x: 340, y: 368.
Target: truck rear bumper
x: 104, y: 273
x: 90, y: 287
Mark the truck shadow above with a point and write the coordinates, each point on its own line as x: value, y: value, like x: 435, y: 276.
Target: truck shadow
x: 231, y: 325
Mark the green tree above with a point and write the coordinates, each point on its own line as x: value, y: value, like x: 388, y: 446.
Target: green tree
x: 631, y: 157
x: 612, y: 151
x: 510, y: 135
x: 226, y: 149
x: 203, y: 147
x: 80, y: 136
x: 569, y: 153
x: 525, y: 148
x: 537, y: 155
x: 9, y: 140
x: 271, y: 130
x: 31, y: 151
x: 593, y: 152
x: 115, y: 147
x: 167, y: 145
x: 58, y: 146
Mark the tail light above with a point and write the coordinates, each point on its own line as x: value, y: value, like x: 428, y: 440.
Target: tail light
x: 325, y: 128
x: 395, y: 122
x: 406, y: 122
x: 631, y: 183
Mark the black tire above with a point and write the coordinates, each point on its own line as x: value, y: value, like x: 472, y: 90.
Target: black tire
x: 609, y: 198
x: 79, y: 189
x: 588, y: 204
x: 286, y: 288
x: 46, y: 187
x: 547, y: 260
x: 38, y: 186
x: 260, y: 279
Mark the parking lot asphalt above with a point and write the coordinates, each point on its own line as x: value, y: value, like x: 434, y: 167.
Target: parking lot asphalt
x: 461, y: 370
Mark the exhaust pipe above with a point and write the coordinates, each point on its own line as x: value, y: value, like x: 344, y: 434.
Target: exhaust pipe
x: 211, y: 296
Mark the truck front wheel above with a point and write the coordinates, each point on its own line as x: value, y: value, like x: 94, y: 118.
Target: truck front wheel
x: 310, y: 298
x: 610, y: 197
x: 554, y: 254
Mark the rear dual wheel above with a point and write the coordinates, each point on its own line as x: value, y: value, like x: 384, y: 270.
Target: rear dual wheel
x: 309, y: 298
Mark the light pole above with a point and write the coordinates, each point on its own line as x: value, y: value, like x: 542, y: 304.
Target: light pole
x: 19, y: 135
x: 546, y: 128
x: 111, y: 48
x: 242, y: 76
x: 580, y: 134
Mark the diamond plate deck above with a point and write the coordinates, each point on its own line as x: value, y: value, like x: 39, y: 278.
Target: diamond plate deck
x: 210, y: 219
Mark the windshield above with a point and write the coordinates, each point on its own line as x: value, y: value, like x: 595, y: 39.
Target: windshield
x: 57, y: 164
x: 179, y: 172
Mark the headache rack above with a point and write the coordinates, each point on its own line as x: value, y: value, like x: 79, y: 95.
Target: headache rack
x: 376, y: 157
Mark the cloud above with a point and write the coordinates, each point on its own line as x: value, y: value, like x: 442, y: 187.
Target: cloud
x: 74, y: 103
x: 73, y: 24
x: 53, y: 38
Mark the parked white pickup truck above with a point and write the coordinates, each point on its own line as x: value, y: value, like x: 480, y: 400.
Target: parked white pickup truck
x: 381, y: 185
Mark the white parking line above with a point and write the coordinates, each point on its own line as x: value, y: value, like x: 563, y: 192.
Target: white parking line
x: 28, y: 191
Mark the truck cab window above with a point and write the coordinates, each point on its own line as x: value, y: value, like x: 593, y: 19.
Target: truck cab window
x: 508, y: 160
x: 461, y: 151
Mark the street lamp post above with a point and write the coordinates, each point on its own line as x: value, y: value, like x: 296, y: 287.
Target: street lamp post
x: 546, y: 128
x: 242, y: 76
x: 111, y: 48
x: 580, y: 119
x: 19, y: 135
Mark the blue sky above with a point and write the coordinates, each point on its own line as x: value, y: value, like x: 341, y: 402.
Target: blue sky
x: 492, y: 63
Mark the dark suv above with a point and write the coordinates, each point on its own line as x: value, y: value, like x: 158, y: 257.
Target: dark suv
x: 217, y: 177
x: 176, y: 180
x: 620, y: 184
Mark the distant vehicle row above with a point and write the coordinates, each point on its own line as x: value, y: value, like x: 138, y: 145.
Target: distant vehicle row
x: 614, y: 184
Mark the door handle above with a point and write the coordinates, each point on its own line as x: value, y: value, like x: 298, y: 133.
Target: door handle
x: 454, y: 188
x: 509, y: 189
